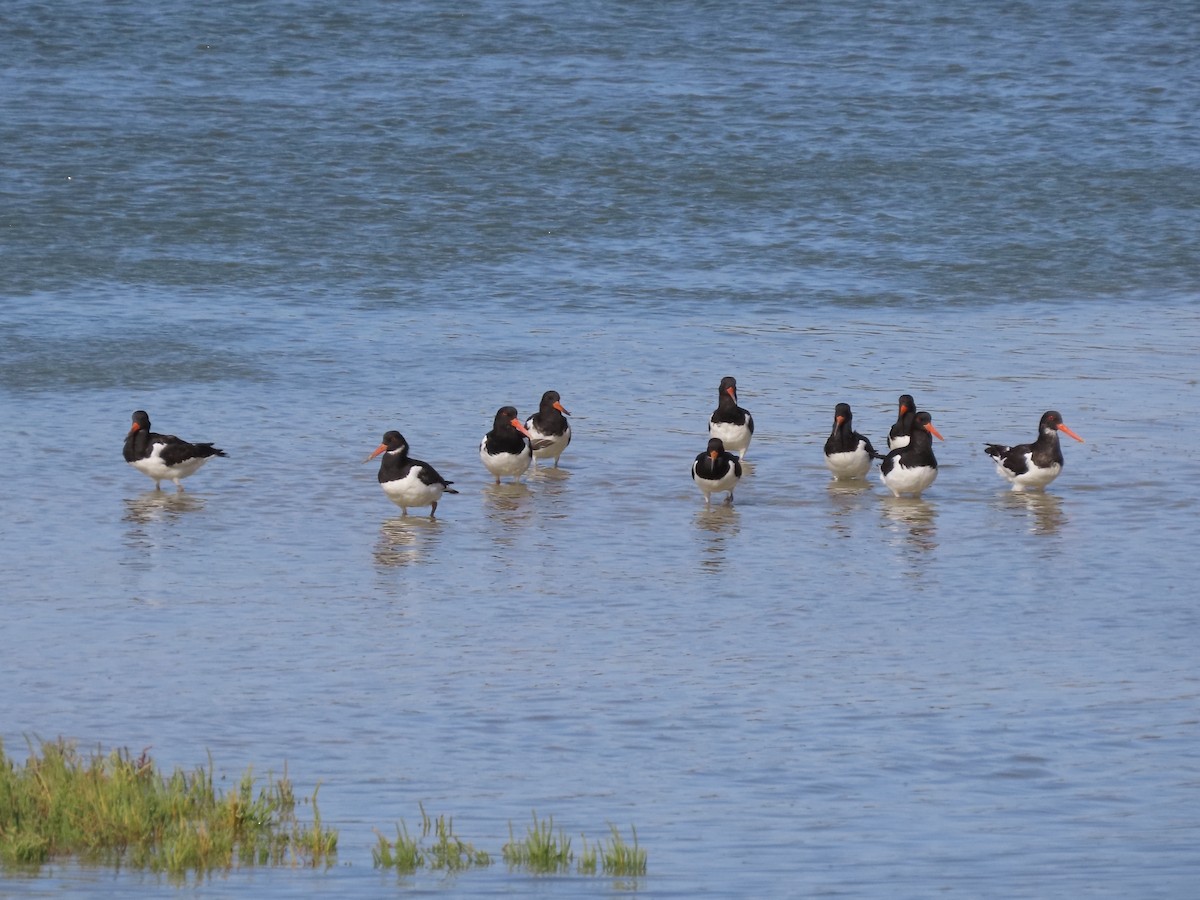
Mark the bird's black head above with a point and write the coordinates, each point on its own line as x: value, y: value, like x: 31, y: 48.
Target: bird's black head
x: 924, y: 422
x: 1051, y: 419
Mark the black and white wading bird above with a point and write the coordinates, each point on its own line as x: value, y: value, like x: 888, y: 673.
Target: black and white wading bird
x: 729, y: 423
x: 164, y: 457
x: 716, y: 470
x: 900, y: 431
x: 549, y: 430
x: 912, y: 468
x: 505, y: 450
x: 847, y: 453
x: 406, y: 481
x: 1030, y: 467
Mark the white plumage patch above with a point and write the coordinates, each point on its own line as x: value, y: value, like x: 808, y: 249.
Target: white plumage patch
x: 850, y: 464
x: 905, y: 480
x: 557, y: 443
x: 1034, y: 478
x: 736, y: 438
x: 504, y: 465
x: 710, y: 486
x: 154, y: 467
x: 411, y: 491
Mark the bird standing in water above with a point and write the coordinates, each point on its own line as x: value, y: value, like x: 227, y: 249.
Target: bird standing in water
x: 505, y: 450
x: 898, y: 435
x: 164, y: 457
x: 729, y: 423
x: 847, y: 453
x: 1030, y: 467
x: 912, y: 468
x: 406, y: 481
x: 549, y: 430
x: 716, y: 470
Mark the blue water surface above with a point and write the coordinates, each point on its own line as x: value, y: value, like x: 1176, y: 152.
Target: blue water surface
x: 289, y: 227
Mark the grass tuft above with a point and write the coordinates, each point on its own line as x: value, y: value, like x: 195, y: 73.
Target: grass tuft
x: 121, y: 811
x: 588, y: 858
x: 446, y: 850
x: 620, y: 858
x: 540, y: 851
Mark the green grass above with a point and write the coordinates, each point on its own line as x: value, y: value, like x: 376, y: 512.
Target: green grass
x: 540, y: 851
x: 445, y: 851
x: 119, y: 811
x: 620, y: 858
x: 403, y: 854
x: 113, y: 809
x: 588, y: 858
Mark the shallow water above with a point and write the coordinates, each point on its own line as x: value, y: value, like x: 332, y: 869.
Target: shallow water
x: 288, y: 232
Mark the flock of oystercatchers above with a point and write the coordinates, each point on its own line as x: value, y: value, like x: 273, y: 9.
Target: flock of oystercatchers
x: 508, y: 450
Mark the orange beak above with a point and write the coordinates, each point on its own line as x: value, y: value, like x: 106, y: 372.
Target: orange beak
x: 731, y: 392
x: 516, y: 423
x: 934, y: 431
x: 839, y: 420
x: 1067, y: 431
x: 134, y: 428
x: 559, y: 407
x: 903, y: 408
x: 713, y: 453
x: 376, y: 452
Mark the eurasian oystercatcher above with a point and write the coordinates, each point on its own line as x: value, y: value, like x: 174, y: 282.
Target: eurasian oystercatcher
x: 164, y: 457
x: 912, y: 468
x: 1030, y: 467
x: 716, y: 470
x: 549, y: 430
x: 898, y: 436
x: 729, y: 423
x: 847, y: 453
x: 505, y: 450
x: 406, y: 481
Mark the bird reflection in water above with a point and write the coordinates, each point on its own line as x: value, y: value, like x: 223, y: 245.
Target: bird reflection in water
x: 405, y: 540
x: 508, y: 509
x: 914, y: 519
x: 716, y: 524
x: 845, y: 499
x: 160, y: 506
x: 552, y: 491
x: 549, y: 474
x: 1044, y: 510
x: 150, y: 518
